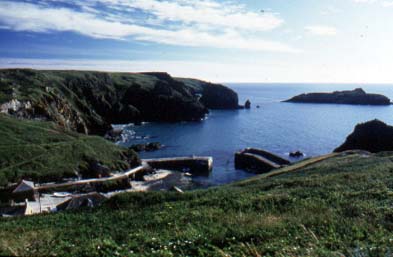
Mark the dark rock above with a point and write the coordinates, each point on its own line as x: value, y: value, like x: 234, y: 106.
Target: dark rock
x: 127, y: 113
x: 219, y: 97
x: 138, y: 147
x: 154, y: 146
x: 373, y: 136
x: 148, y: 147
x: 356, y: 97
x: 296, y: 154
x: 258, y: 106
x: 82, y: 201
x: 97, y: 170
x: 114, y: 134
x: 247, y: 105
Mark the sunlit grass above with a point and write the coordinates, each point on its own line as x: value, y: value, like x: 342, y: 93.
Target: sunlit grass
x: 334, y: 207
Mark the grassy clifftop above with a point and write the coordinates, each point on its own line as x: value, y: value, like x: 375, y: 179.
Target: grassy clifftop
x: 339, y: 206
x: 43, y: 151
x: 88, y: 102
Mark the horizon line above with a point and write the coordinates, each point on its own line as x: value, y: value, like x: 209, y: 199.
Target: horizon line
x: 44, y: 68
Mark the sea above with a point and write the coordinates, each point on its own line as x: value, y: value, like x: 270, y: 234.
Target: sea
x: 314, y: 129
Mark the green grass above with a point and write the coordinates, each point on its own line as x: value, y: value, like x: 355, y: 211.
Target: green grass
x: 42, y: 151
x: 334, y: 207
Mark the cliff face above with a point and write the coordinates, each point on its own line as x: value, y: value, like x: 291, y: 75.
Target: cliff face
x: 213, y: 96
x: 89, y: 102
x: 373, y: 136
x: 356, y: 97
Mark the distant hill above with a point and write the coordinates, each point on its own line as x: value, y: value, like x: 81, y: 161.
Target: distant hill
x: 357, y: 97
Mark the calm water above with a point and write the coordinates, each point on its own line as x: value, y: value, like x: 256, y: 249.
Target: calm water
x: 314, y: 129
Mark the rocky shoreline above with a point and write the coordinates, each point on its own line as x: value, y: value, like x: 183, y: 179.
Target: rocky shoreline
x: 373, y: 136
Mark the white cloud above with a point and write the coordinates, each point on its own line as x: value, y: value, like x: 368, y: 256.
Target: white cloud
x: 364, y: 1
x: 331, y: 10
x: 321, y: 30
x: 387, y: 3
x: 216, y: 27
x: 383, y: 3
x: 210, y: 13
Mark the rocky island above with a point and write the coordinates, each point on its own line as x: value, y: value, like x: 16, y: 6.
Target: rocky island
x: 356, y: 97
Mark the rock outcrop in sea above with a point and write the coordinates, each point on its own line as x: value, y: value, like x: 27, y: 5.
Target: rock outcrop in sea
x: 89, y: 102
x: 148, y: 147
x: 356, y: 97
x: 247, y: 105
x: 373, y: 136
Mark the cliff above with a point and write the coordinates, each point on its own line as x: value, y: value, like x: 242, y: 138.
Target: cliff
x: 88, y: 102
x: 213, y: 96
x: 357, y: 97
x: 373, y: 136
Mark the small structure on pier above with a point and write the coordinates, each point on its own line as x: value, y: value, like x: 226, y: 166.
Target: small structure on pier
x: 258, y: 160
x: 24, y: 190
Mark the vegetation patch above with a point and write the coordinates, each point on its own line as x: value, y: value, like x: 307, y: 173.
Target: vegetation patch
x: 44, y: 152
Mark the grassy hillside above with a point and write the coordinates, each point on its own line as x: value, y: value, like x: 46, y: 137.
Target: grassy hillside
x: 43, y: 151
x: 338, y: 206
x: 88, y: 101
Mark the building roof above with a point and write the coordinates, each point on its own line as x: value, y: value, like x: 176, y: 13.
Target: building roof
x: 24, y: 186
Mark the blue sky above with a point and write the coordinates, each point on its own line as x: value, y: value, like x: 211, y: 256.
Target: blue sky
x: 217, y: 40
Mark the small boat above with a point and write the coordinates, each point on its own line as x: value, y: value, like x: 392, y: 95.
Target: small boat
x: 61, y: 194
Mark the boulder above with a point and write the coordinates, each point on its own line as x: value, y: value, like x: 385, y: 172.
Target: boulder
x: 357, y: 97
x: 247, y: 104
x: 296, y: 154
x: 372, y: 136
x: 154, y: 146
